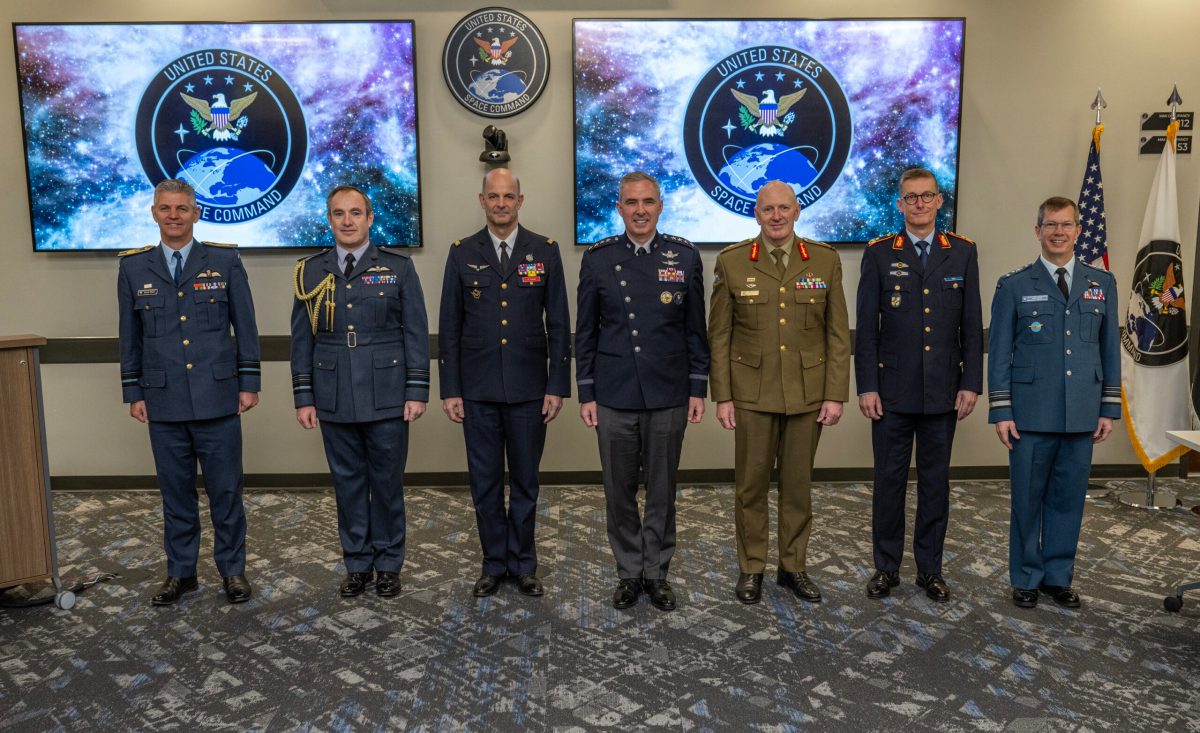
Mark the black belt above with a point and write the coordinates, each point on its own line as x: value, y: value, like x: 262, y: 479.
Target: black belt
x: 353, y: 339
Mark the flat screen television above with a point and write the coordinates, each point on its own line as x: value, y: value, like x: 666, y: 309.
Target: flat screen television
x: 715, y: 108
x: 263, y: 119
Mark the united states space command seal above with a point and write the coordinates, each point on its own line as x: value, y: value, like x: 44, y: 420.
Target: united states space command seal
x: 228, y: 124
x: 765, y: 113
x: 1156, y: 327
x: 496, y: 62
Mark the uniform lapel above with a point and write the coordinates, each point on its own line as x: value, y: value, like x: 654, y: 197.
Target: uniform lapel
x: 369, y: 259
x: 938, y: 255
x: 796, y: 264
x: 330, y: 262
x: 482, y: 242
x: 1079, y: 283
x: 766, y: 263
x: 158, y: 265
x: 1044, y: 283
x: 520, y: 248
x: 910, y: 255
x: 197, y: 260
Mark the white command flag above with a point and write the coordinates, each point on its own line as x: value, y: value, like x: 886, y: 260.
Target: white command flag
x: 1155, y: 395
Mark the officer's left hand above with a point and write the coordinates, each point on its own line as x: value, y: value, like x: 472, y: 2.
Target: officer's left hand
x: 1103, y: 430
x: 831, y: 412
x: 965, y: 402
x: 413, y: 409
x: 551, y: 404
x: 246, y: 400
x: 695, y: 409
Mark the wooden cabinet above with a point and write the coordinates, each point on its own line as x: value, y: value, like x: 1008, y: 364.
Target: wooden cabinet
x: 26, y: 531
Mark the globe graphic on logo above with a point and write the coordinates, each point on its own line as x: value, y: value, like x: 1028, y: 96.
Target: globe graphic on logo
x: 498, y: 86
x: 751, y: 167
x: 227, y: 176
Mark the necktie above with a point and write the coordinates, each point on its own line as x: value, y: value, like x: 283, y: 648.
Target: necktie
x: 1062, y: 282
x: 178, y: 267
x: 780, y: 267
x: 504, y: 259
x: 638, y: 251
x: 923, y: 250
x: 349, y: 266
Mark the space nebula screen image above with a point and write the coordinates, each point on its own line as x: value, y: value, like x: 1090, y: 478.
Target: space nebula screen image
x: 261, y: 119
x: 714, y: 109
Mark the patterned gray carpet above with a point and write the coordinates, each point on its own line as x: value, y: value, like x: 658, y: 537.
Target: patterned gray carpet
x: 298, y: 657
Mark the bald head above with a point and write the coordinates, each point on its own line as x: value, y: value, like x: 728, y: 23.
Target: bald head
x: 776, y: 211
x: 500, y: 200
x: 777, y: 188
x: 501, y: 173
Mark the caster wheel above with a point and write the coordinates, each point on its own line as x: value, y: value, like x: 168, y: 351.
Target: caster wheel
x: 65, y: 600
x: 1173, y: 603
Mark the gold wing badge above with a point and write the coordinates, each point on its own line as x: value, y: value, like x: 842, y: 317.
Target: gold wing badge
x: 220, y: 120
x: 766, y: 116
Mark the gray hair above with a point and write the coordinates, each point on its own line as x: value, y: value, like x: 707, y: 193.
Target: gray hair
x: 174, y: 185
x: 914, y: 173
x: 636, y: 176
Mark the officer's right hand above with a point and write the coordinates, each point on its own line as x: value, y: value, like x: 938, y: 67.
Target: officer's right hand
x: 725, y: 415
x: 871, y: 405
x: 453, y: 407
x: 137, y: 410
x: 307, y: 417
x: 587, y: 413
x: 1007, y: 430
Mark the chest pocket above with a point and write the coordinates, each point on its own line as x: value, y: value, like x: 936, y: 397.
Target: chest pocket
x: 1037, y: 322
x: 811, y: 302
x: 751, y: 307
x: 151, y: 309
x: 897, y: 294
x: 952, y: 294
x: 1089, y: 323
x: 214, y: 304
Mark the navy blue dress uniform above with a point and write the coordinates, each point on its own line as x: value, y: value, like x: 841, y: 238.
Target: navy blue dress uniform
x: 1054, y: 369
x: 919, y: 341
x: 177, y: 355
x: 641, y: 352
x: 360, y: 350
x: 503, y: 345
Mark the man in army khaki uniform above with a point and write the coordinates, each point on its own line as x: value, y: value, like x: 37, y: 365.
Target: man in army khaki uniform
x: 780, y: 341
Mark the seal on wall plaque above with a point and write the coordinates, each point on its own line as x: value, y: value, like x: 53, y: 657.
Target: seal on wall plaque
x: 496, y: 62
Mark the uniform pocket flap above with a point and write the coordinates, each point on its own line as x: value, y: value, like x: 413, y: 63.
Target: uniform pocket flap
x: 810, y: 359
x: 224, y: 370
x: 815, y: 296
x: 1024, y: 375
x: 389, y: 358
x: 210, y: 296
x: 747, y: 357
x: 154, y: 378
x: 150, y: 301
x: 475, y: 280
x: 325, y: 360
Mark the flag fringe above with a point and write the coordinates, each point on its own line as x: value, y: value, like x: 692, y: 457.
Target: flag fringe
x: 1150, y: 464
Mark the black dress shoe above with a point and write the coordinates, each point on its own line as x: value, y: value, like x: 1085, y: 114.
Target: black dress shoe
x: 354, y: 584
x: 626, y: 593
x: 935, y: 586
x: 173, y: 589
x: 749, y: 588
x: 661, y: 595
x: 487, y: 585
x: 1063, y: 595
x: 799, y: 583
x: 881, y: 583
x: 1023, y: 598
x: 387, y: 584
x: 529, y: 585
x: 237, y: 588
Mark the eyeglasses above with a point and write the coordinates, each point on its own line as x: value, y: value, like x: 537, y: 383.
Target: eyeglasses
x: 1052, y: 226
x: 927, y: 197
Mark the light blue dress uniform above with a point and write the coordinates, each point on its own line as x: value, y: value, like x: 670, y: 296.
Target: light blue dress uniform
x: 1054, y: 368
x: 178, y: 356
x: 368, y: 356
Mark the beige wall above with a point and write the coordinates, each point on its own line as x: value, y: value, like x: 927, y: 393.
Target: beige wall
x: 1031, y: 71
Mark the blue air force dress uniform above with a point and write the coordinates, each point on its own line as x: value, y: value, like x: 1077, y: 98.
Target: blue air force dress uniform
x: 641, y: 351
x: 919, y: 342
x: 177, y: 355
x: 360, y: 350
x: 1054, y: 368
x: 499, y: 329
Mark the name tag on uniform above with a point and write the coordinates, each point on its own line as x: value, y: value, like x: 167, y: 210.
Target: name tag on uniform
x: 148, y: 291
x: 1034, y: 298
x: 747, y: 293
x: 1093, y: 294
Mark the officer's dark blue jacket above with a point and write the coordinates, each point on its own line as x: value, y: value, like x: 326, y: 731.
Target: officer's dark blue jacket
x: 1054, y: 363
x: 176, y: 349
x: 640, y: 338
x: 919, y: 333
x: 497, y: 330
x: 370, y: 352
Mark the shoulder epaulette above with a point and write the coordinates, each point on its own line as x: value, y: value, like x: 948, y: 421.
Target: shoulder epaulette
x: 826, y: 245
x: 678, y: 240
x: 550, y: 241
x: 306, y: 258
x: 221, y: 244
x: 392, y: 252
x: 877, y: 240
x: 457, y: 243
x: 734, y: 246
x: 959, y: 236
x: 1009, y: 274
x: 137, y: 250
x: 604, y: 243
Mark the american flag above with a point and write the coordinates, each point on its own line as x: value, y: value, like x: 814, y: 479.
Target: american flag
x: 1092, y: 245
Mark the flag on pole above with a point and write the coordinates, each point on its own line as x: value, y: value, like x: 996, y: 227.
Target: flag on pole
x: 1155, y: 396
x: 1092, y: 245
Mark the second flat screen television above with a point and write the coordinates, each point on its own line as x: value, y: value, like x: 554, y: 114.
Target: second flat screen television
x: 715, y: 108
